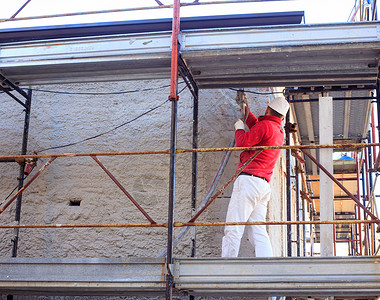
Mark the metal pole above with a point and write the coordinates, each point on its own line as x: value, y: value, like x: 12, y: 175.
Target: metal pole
x: 371, y: 157
x: 20, y: 9
x: 378, y: 110
x: 369, y: 165
x: 374, y: 8
x: 20, y: 191
x: 298, y: 210
x: 173, y: 145
x: 181, y: 224
x: 7, y: 160
x: 357, y: 207
x: 6, y: 81
x: 174, y: 55
x: 364, y: 196
x: 24, y: 148
x: 194, y: 170
x: 288, y: 190
x: 194, y: 175
x: 113, y: 178
x: 334, y: 232
x: 194, y: 3
x: 371, y: 162
x: 203, y: 150
x: 373, y: 131
x: 303, y: 226
x: 369, y: 187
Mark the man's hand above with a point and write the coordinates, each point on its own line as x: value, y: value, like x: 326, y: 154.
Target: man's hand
x: 239, y: 124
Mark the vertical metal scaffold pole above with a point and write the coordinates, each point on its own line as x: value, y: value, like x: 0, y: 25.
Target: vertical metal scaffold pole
x: 288, y: 189
x: 298, y: 205
x: 378, y: 109
x: 173, y: 144
x: 194, y: 175
x: 359, y: 244
x: 364, y: 197
x: 24, y: 148
x: 194, y: 168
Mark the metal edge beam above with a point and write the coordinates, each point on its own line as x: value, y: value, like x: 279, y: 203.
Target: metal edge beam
x: 303, y: 276
x: 280, y: 276
x: 82, y: 276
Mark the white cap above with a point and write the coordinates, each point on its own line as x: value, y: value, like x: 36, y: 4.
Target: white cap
x: 280, y: 105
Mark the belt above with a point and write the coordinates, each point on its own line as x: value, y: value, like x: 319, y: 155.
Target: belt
x: 245, y: 173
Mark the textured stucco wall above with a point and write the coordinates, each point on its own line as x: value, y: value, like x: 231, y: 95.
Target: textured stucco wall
x: 59, y: 119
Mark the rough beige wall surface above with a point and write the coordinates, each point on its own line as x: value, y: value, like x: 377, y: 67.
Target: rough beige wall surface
x: 60, y: 119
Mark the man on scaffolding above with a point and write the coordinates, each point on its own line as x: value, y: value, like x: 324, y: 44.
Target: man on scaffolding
x: 251, y: 191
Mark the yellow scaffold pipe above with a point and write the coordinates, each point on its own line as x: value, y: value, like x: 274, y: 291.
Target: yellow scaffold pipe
x: 335, y: 146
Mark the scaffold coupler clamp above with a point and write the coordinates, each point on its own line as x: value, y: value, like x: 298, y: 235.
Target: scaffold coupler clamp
x: 175, y: 98
x: 30, y: 163
x: 291, y: 127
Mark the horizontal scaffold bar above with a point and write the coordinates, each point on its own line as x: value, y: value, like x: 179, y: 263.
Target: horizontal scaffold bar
x: 120, y: 10
x: 334, y: 146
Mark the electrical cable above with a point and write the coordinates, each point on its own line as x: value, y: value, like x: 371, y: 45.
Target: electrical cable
x: 102, y: 94
x: 257, y: 93
x: 108, y: 131
x: 96, y: 136
x: 16, y: 187
x: 182, y: 89
x: 9, y: 194
x: 116, y: 127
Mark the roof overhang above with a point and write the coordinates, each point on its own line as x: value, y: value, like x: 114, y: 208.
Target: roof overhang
x: 12, y: 35
x: 261, y: 56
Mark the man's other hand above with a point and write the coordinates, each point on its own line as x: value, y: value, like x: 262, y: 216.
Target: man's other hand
x: 239, y: 124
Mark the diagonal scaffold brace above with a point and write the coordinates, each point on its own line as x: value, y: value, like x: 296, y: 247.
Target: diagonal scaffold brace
x: 113, y: 178
x: 356, y: 200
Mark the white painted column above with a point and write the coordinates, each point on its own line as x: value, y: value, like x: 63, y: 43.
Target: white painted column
x: 326, y: 185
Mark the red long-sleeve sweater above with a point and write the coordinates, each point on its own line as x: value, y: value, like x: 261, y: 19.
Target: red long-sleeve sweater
x: 264, y: 131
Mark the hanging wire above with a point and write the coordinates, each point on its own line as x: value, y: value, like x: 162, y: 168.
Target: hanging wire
x: 106, y: 132
x: 103, y: 94
x: 182, y: 89
x: 257, y: 93
x: 6, y: 198
x: 9, y: 194
x: 114, y: 128
x: 101, y: 134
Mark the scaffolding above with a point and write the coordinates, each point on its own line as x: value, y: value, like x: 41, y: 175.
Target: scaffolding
x: 173, y: 273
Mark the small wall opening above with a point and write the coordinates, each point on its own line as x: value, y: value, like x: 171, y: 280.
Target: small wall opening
x: 74, y: 202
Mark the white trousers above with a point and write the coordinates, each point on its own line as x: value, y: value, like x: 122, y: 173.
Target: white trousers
x: 248, y: 203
